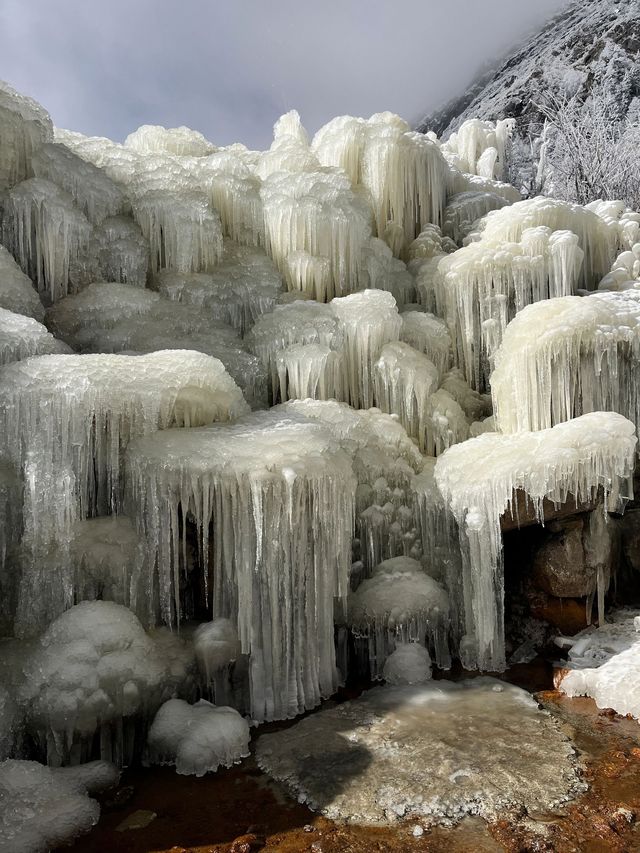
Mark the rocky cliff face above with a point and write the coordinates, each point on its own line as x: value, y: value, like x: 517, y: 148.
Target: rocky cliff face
x: 591, y: 45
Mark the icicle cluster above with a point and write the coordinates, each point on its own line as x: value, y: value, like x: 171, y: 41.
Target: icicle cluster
x: 272, y: 500
x: 564, y: 357
x: 478, y: 480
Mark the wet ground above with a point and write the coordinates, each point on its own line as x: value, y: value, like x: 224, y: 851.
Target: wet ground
x: 240, y: 810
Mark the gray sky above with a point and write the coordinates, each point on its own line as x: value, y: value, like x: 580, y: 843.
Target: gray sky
x: 229, y: 68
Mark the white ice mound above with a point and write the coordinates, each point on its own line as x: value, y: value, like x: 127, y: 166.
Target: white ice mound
x: 17, y: 293
x: 272, y: 498
x: 438, y: 751
x: 400, y: 603
x: 561, y: 358
x: 93, y: 669
x: 48, y: 235
x: 605, y: 664
x: 181, y: 141
x: 24, y: 127
x: 23, y: 337
x: 410, y: 663
x: 42, y: 808
x: 216, y: 646
x: 198, y: 738
x: 480, y: 147
x: 478, y: 480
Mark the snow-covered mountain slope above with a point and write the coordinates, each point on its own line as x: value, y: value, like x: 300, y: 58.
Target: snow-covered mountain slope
x: 592, y: 43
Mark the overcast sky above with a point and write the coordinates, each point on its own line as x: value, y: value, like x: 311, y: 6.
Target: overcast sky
x: 229, y: 68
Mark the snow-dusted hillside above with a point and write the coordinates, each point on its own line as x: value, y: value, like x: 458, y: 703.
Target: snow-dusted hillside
x: 590, y: 44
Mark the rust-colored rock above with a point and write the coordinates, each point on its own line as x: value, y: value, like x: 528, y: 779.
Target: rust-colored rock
x: 247, y: 843
x: 566, y: 615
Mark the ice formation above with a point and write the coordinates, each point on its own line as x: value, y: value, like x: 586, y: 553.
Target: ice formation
x: 43, y: 807
x: 22, y: 337
x: 94, y: 670
x: 400, y: 603
x: 428, y: 334
x: 464, y: 209
x: 216, y: 648
x: 153, y: 139
x: 480, y: 147
x: 409, y: 663
x: 272, y: 500
x: 24, y: 127
x: 478, y: 479
x: 65, y: 422
x: 365, y: 761
x: 48, y: 235
x: 564, y: 357
x: 119, y: 252
x: 17, y: 294
x: 197, y: 738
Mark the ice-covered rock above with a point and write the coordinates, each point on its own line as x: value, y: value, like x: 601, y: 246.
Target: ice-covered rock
x: 42, y: 808
x: 198, y: 738
x: 256, y: 491
x: 478, y: 480
x: 437, y: 751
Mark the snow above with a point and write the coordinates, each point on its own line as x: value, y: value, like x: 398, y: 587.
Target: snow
x: 478, y: 479
x: 562, y: 358
x: 198, y: 738
x: 42, y: 808
x: 256, y: 490
x: 605, y: 664
x: 22, y: 337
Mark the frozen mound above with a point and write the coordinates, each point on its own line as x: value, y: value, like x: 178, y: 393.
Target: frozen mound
x: 597, y: 237
x: 244, y: 286
x: 94, y: 670
x: 562, y: 358
x: 17, y: 293
x: 604, y: 663
x: 48, y: 235
x: 409, y: 663
x: 625, y: 271
x: 22, y: 337
x: 24, y: 127
x: 182, y: 141
x: 107, y: 558
x: 480, y: 147
x: 437, y: 752
x: 427, y: 244
x: 65, y: 421
x: 216, y: 647
x: 403, y: 172
x: 42, y: 808
x: 478, y: 479
x: 400, y: 603
x: 183, y: 230
x: 279, y: 493
x: 474, y: 405
x: 464, y: 209
x: 120, y: 252
x: 198, y: 738
x: 624, y: 222
x: 95, y: 194
x: 481, y: 287
x: 384, y: 461
x: 404, y: 379
x: 429, y: 335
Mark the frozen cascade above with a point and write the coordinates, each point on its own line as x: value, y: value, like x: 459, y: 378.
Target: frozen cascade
x: 404, y: 379
x: 17, y: 293
x: 94, y: 670
x: 403, y: 171
x: 384, y: 461
x: 399, y: 603
x: 65, y: 421
x: 22, y: 337
x: 229, y: 178
x: 311, y: 371
x: 272, y: 498
x: 183, y: 230
x: 24, y: 127
x: 485, y: 284
x: 478, y: 478
x: 244, y: 286
x: 93, y: 191
x: 10, y: 532
x: 197, y: 738
x: 42, y: 808
x: 48, y: 235
x: 429, y: 335
x: 120, y: 252
x: 368, y: 320
x: 564, y: 357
